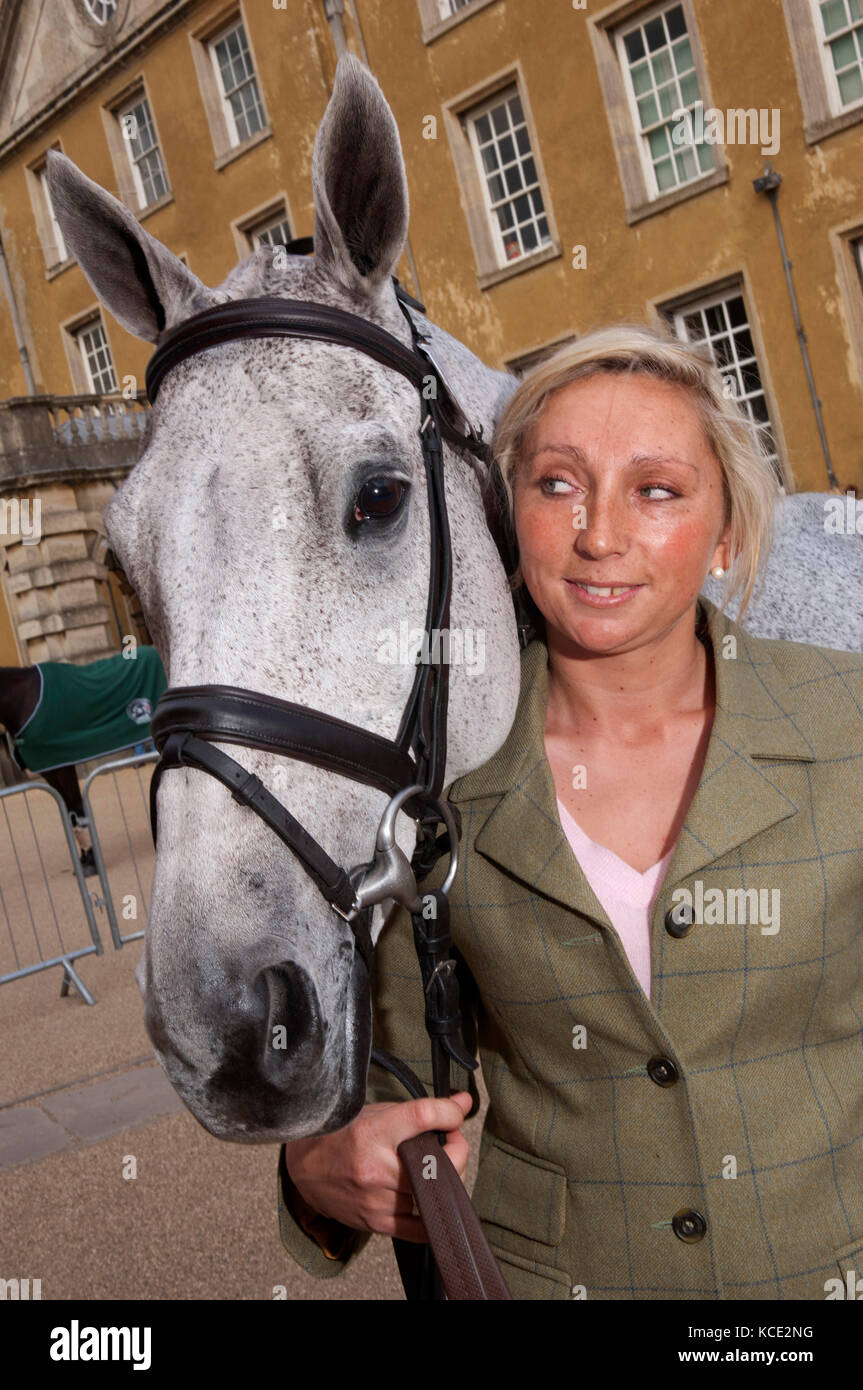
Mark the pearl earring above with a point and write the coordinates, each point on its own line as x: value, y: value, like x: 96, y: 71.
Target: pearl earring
x: 717, y: 571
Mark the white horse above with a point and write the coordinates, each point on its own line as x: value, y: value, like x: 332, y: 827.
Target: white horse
x: 237, y: 529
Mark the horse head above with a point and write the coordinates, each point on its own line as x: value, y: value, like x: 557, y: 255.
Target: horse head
x: 245, y: 530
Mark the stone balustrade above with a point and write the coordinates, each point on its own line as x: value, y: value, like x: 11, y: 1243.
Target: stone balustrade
x: 61, y: 460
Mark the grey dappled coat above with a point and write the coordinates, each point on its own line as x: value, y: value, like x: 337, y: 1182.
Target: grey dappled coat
x: 588, y: 1155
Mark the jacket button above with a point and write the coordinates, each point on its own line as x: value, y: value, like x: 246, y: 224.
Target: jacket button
x: 663, y: 1071
x: 688, y: 1225
x: 680, y: 919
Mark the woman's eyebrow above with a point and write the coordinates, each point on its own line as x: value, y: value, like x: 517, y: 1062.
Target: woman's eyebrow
x: 663, y: 458
x: 572, y: 451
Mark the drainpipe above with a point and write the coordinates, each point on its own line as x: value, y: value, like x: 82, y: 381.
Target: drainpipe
x: 769, y: 184
x: 16, y: 322
x: 334, y: 11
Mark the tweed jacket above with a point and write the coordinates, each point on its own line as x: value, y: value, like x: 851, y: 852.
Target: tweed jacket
x: 705, y: 1142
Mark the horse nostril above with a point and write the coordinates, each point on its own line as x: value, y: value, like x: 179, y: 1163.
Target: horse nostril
x: 295, y: 1028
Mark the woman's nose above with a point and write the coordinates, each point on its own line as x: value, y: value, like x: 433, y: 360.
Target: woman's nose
x: 600, y: 526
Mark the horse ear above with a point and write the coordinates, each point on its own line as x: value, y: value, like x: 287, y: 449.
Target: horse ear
x: 143, y: 284
x: 358, y: 182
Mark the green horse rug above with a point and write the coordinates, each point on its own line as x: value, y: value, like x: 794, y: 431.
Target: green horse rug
x: 85, y: 711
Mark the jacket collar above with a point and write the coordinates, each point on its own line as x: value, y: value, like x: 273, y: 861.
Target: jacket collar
x: 756, y: 717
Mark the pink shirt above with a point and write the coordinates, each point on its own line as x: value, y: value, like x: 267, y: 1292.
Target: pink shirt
x: 626, y: 895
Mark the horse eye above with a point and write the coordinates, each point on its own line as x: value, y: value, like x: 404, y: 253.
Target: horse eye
x: 379, y: 497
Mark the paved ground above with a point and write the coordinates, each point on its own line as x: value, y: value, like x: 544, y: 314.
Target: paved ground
x: 80, y: 1096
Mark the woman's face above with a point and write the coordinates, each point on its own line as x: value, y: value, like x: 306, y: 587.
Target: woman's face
x: 618, y: 488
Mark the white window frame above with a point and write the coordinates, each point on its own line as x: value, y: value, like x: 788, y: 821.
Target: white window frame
x: 838, y: 107
x: 519, y: 364
x: 227, y: 110
x: 268, y: 224
x: 96, y: 322
x: 106, y: 18
x: 60, y: 247
x: 471, y: 116
x: 141, y: 98
x: 621, y: 32
x: 709, y: 300
x: 438, y: 18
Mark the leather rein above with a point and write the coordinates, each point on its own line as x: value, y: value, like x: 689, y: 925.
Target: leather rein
x: 189, y: 720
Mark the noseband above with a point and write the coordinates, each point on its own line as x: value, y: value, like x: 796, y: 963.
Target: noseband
x: 189, y: 720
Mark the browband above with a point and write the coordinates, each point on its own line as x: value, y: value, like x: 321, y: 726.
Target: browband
x: 269, y: 316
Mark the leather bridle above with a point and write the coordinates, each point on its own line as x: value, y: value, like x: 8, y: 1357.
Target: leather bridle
x: 410, y: 768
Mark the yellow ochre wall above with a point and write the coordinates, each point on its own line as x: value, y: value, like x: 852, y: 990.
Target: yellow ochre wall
x: 717, y: 232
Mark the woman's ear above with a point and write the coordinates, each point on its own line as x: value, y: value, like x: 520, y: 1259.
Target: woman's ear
x: 722, y: 554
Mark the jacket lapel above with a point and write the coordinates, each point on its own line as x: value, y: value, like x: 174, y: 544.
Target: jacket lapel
x: 755, y: 719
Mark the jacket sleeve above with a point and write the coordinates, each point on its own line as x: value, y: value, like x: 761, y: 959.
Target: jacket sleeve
x: 324, y: 1247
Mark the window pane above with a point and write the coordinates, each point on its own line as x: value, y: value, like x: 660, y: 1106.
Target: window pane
x: 668, y: 99
x: 654, y: 33
x: 634, y: 45
x: 683, y: 59
x: 507, y: 149
x: 513, y: 179
x: 522, y: 140
x: 662, y: 70
x: 489, y: 158
x: 529, y: 237
x: 528, y: 169
x: 522, y: 208
x: 483, y: 129
x: 648, y: 110
x: 705, y: 157
x: 685, y: 163
x: 496, y: 188
x: 689, y: 89
x: 515, y: 110
x: 714, y: 320
x: 658, y: 141
x: 665, y: 174
x: 851, y: 85
x: 543, y: 229
x: 844, y: 51
x: 743, y: 339
x: 676, y: 21
x: 736, y: 310
x: 641, y: 79
x: 499, y: 119
x: 833, y: 15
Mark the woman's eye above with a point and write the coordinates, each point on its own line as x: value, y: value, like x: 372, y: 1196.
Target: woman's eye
x: 549, y: 486
x: 659, y: 487
x: 378, y: 498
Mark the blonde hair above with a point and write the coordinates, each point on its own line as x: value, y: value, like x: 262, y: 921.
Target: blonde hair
x: 750, y: 485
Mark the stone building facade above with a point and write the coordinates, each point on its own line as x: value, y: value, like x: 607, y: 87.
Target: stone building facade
x: 555, y: 186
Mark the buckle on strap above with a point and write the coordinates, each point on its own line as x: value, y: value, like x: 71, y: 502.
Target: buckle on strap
x: 248, y: 788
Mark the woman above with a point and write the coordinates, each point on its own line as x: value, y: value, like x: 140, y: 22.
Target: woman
x: 660, y: 896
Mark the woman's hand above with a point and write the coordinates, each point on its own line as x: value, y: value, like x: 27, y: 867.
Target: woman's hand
x: 355, y: 1175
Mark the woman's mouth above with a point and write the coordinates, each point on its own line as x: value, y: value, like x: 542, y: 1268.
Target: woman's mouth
x: 603, y: 595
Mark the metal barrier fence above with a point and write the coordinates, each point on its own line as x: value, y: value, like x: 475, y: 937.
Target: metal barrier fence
x: 122, y: 845
x: 18, y: 895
